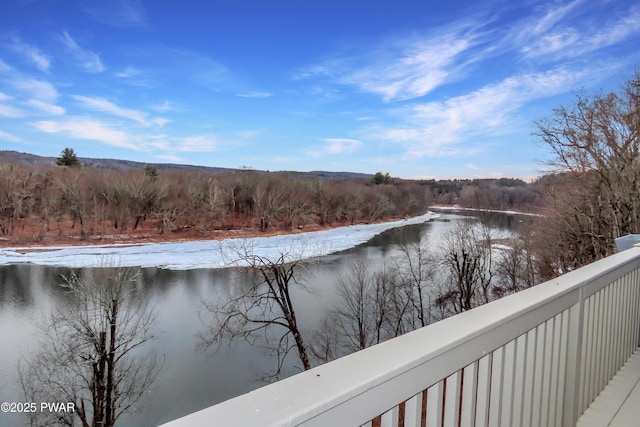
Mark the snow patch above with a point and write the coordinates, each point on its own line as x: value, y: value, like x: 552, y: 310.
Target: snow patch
x: 458, y: 208
x: 200, y: 254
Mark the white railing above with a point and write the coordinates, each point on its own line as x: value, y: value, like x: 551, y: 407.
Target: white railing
x: 536, y: 358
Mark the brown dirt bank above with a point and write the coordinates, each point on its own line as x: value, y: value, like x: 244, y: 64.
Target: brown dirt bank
x: 26, y: 234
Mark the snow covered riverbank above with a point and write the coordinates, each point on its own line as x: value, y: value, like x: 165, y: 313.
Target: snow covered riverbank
x: 458, y: 208
x: 199, y: 254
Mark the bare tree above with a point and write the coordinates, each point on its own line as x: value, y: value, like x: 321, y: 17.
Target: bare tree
x: 325, y: 198
x: 267, y: 203
x: 16, y: 192
x: 364, y: 314
x: 363, y: 307
x: 415, y: 273
x: 296, y: 205
x: 515, y: 268
x: 264, y: 308
x: 74, y: 198
x: 595, y: 144
x: 92, y: 353
x: 467, y: 263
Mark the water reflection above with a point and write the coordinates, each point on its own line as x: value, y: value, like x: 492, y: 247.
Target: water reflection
x: 192, y: 379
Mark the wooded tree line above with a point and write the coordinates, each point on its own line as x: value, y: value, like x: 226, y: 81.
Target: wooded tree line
x: 102, y: 202
x: 593, y: 195
x: 499, y: 193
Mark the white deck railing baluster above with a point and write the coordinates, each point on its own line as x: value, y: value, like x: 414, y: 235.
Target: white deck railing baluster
x: 483, y: 393
x: 469, y: 395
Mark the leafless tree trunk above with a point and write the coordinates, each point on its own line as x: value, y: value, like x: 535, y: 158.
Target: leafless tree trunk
x: 263, y: 309
x: 467, y: 262
x: 266, y: 204
x: 364, y: 314
x: 515, y: 268
x: 90, y: 354
x: 415, y: 272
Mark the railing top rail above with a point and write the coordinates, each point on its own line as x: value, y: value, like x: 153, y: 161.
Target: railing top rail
x: 353, y: 389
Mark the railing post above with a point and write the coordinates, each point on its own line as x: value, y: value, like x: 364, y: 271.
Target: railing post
x: 573, y: 362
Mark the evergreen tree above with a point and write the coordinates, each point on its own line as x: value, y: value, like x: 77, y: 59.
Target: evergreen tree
x: 379, y: 178
x: 68, y: 158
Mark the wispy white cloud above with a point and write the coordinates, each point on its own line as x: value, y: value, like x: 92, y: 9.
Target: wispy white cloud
x: 333, y: 146
x: 118, y: 13
x: 340, y: 145
x: 406, y: 67
x: 83, y: 128
x: 410, y: 67
x: 37, y: 89
x: 8, y: 137
x: 106, y: 106
x: 193, y: 68
x: 552, y: 43
x: 88, y: 60
x: 255, y: 95
x: 31, y: 54
x: 118, y: 135
x: 571, y: 41
x: 164, y: 107
x: 128, y: 73
x: 203, y: 70
x: 616, y: 32
x: 160, y: 121
x: 436, y: 129
x: 134, y: 77
x: 421, y: 67
x: 243, y: 135
x: 173, y: 158
x: 4, y: 67
x: 45, y: 107
x: 200, y: 143
x: 552, y: 14
x: 10, y: 112
x: 329, y: 67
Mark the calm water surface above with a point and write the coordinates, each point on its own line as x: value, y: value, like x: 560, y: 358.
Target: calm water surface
x: 192, y: 379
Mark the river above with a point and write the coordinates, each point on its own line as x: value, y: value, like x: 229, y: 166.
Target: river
x: 192, y: 378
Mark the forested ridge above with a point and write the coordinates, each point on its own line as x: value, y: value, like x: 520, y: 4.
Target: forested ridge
x: 42, y: 202
x: 90, y: 200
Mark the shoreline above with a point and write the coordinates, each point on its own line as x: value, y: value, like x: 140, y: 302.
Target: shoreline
x: 143, y: 237
x: 146, y: 236
x: 204, y: 253
x: 459, y: 208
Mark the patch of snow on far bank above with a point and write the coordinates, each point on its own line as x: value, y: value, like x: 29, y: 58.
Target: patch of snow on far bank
x: 458, y: 208
x: 202, y: 253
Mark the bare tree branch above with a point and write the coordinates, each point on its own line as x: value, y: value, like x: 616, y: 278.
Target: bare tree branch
x: 263, y: 309
x: 90, y: 351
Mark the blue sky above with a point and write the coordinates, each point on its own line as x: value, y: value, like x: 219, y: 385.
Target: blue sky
x: 416, y: 88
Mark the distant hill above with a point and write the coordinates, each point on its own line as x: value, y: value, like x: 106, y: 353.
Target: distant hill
x: 34, y: 160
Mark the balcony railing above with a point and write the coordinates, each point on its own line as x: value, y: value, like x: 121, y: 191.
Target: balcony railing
x: 535, y: 358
